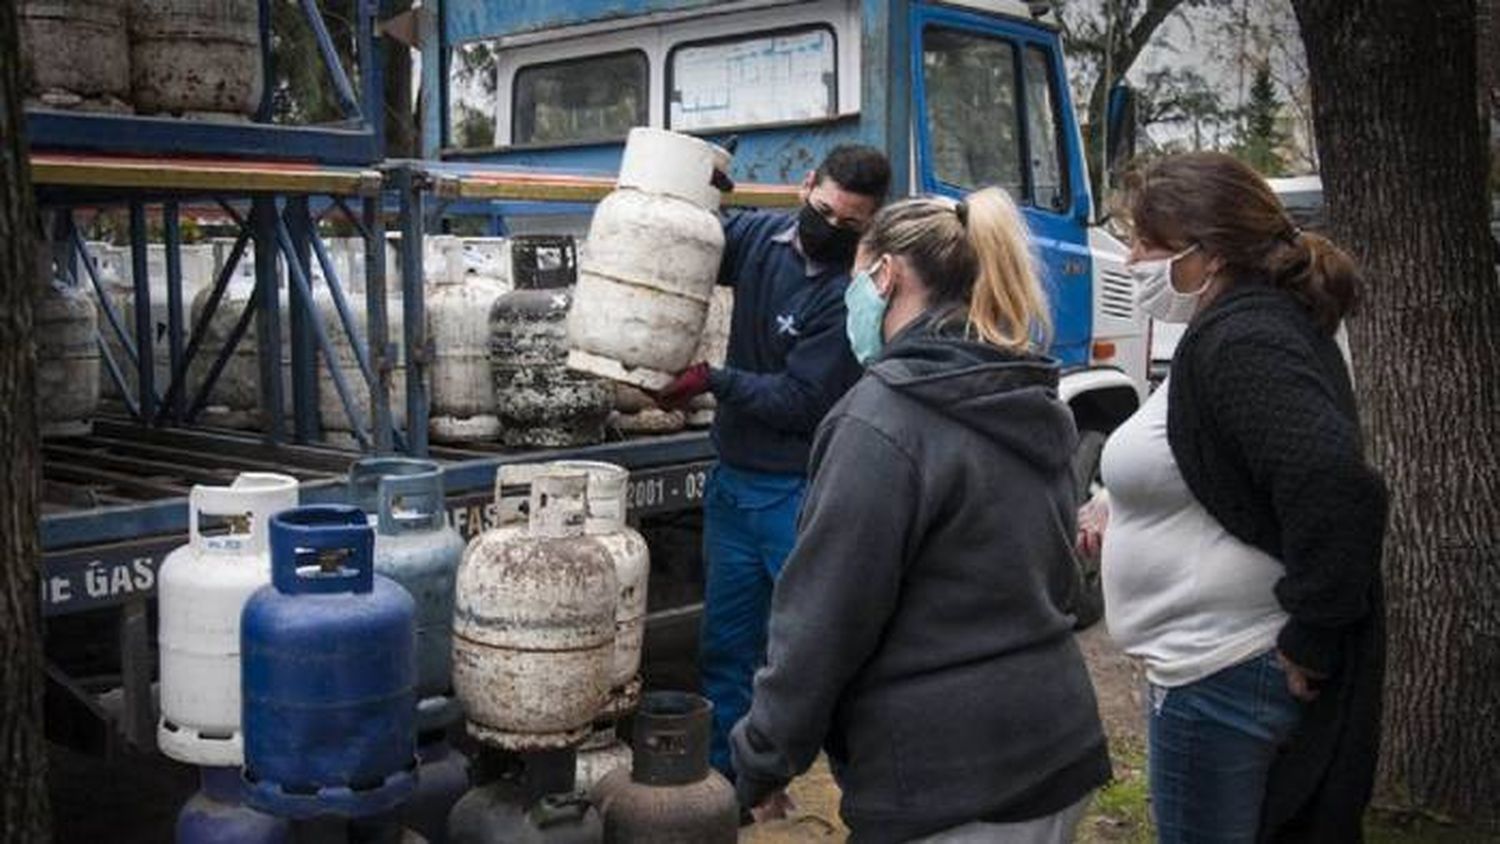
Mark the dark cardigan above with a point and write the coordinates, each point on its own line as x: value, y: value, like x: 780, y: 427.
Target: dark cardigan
x: 1262, y: 422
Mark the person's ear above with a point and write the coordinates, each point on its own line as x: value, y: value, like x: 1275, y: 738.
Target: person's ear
x: 886, y: 275
x: 808, y: 183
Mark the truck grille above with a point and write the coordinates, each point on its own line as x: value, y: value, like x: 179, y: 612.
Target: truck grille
x: 1117, y: 294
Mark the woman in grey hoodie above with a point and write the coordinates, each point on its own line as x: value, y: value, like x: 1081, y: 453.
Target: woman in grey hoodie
x: 918, y: 632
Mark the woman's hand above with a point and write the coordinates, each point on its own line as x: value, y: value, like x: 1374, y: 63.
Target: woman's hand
x: 774, y: 807
x: 1299, y: 680
x: 1093, y: 518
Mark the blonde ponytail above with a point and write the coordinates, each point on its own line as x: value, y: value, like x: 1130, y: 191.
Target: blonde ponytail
x: 974, y: 255
x: 1007, y: 307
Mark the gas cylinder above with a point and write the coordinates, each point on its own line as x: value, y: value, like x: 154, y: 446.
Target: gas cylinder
x: 67, y: 359
x: 489, y: 258
x: 599, y: 755
x: 415, y: 546
x: 443, y: 780
x: 645, y: 281
x: 329, y: 673
x: 670, y: 795
x: 217, y: 814
x: 202, y: 589
x: 191, y: 56
x: 524, y: 799
x: 331, y: 414
x: 534, y: 622
x: 76, y: 53
x: 632, y: 561
x: 197, y: 270
x: 236, y: 395
x: 713, y: 348
x: 540, y: 402
x: 463, y: 388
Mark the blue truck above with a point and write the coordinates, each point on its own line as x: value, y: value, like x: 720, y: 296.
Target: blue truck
x: 960, y: 95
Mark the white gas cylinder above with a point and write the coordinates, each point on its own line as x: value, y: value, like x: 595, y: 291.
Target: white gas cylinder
x: 202, y: 587
x: 533, y: 624
x: 632, y: 561
x: 645, y: 281
x: 458, y: 323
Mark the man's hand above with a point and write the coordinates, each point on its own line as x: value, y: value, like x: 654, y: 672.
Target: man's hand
x: 1299, y: 680
x: 774, y: 807
x: 691, y: 382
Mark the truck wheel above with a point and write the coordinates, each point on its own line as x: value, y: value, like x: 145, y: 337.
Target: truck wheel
x: 1088, y: 605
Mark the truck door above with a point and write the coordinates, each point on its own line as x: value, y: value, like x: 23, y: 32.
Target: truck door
x: 991, y: 107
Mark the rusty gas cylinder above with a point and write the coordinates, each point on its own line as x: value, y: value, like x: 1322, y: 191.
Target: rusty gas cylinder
x: 669, y: 795
x: 534, y: 624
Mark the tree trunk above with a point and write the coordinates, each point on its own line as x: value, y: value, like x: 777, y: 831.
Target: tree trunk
x: 1404, y: 165
x: 23, y: 752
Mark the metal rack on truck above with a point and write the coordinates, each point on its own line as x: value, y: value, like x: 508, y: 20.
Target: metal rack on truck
x: 115, y: 496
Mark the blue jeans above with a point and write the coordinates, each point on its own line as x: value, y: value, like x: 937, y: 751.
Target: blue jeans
x: 749, y: 526
x: 1212, y: 743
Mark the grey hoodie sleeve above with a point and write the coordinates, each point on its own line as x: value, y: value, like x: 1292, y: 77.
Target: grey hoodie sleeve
x: 832, y: 600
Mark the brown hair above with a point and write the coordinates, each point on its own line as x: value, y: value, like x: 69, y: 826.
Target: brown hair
x: 1219, y: 203
x: 974, y: 253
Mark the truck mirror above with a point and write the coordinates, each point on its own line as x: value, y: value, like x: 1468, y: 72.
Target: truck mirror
x: 1121, y: 126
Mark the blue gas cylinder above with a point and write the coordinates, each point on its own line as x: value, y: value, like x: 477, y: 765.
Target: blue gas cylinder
x: 329, y: 673
x: 415, y: 546
x: 217, y: 814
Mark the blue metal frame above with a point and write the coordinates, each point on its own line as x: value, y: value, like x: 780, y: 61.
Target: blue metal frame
x: 289, y: 234
x: 466, y: 20
x: 172, y: 238
x: 297, y: 220
x: 145, y: 371
x: 411, y: 184
x: 886, y: 87
x: 359, y: 140
x: 1061, y: 238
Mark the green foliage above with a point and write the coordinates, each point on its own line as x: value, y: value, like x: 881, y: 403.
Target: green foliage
x: 472, y: 81
x: 1121, y: 810
x: 302, y: 90
x: 1262, y: 136
x: 472, y: 128
x: 1181, y: 95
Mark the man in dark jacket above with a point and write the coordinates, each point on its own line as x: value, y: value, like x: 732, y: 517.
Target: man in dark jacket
x: 788, y: 362
x: 918, y: 632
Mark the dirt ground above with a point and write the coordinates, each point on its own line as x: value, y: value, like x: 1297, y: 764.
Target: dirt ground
x: 1118, y: 814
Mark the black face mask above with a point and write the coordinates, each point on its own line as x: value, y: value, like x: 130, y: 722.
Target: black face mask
x: 825, y: 243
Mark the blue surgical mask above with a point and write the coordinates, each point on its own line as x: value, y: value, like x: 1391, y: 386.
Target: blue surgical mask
x: 865, y: 321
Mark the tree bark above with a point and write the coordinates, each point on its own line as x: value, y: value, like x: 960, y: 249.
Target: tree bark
x: 1404, y: 166
x: 23, y: 751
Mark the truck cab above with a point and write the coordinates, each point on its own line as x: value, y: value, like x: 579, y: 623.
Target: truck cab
x: 960, y: 95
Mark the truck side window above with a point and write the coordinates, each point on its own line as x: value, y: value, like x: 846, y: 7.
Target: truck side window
x: 1048, y: 177
x: 972, y: 109
x: 597, y: 98
x: 751, y: 80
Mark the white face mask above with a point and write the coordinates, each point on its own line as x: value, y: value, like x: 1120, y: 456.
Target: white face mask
x: 1155, y: 295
